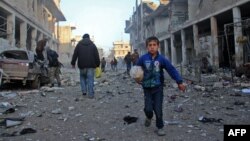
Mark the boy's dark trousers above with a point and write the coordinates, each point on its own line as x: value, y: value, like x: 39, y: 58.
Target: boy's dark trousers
x: 153, y: 98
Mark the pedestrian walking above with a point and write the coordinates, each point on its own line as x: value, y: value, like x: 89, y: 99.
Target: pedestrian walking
x: 112, y: 65
x: 153, y: 64
x: 103, y: 64
x: 115, y: 64
x: 128, y: 61
x: 135, y: 57
x: 87, y: 55
x: 54, y: 67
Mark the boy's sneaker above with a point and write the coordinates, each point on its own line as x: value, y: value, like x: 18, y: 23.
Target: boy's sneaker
x: 147, y: 122
x: 160, y: 132
x: 84, y: 94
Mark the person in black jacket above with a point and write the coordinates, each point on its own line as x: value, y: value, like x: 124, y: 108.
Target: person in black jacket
x: 54, y: 67
x: 88, y: 59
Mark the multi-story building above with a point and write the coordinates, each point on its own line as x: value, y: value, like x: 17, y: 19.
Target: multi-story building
x: 23, y: 23
x: 121, y: 48
x: 136, y: 27
x: 191, y: 29
x: 67, y: 43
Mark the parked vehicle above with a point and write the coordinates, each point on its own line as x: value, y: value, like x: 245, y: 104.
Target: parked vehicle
x: 21, y: 66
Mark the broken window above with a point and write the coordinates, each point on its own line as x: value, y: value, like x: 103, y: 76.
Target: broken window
x: 20, y: 55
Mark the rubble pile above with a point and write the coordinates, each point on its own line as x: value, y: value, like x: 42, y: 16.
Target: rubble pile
x: 116, y: 112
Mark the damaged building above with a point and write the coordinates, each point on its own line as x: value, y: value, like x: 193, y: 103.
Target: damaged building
x: 23, y: 23
x: 189, y: 30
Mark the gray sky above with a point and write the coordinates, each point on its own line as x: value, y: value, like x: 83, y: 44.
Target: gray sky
x: 105, y: 19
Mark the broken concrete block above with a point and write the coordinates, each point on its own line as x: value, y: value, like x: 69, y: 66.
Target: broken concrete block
x: 56, y: 111
x: 199, y: 88
x: 218, y: 85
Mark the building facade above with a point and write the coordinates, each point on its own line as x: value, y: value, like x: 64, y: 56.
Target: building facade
x: 121, y: 48
x: 67, y: 43
x: 191, y: 29
x: 135, y: 25
x: 23, y: 23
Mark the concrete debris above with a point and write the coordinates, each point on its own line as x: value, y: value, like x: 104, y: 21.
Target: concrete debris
x: 57, y: 111
x: 172, y: 122
x: 28, y: 114
x: 218, y: 85
x: 199, y: 88
x: 10, y: 122
x: 71, y: 108
x: 8, y: 95
x: 117, y: 98
x: 49, y: 89
x: 246, y: 91
x: 28, y: 92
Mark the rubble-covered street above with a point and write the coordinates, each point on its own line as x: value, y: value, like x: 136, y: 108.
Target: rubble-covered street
x: 64, y: 114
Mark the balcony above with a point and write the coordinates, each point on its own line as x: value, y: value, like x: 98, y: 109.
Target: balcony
x: 129, y: 26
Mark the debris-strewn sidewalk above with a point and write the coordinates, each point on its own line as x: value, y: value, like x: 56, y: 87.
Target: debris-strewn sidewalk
x: 116, y: 112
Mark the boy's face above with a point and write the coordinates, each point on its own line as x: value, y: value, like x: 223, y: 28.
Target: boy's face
x: 153, y: 47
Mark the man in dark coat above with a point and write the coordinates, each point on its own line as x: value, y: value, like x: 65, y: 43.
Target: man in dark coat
x: 54, y: 67
x: 88, y: 59
x: 128, y: 61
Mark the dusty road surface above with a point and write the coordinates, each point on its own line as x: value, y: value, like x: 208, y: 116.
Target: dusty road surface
x: 63, y: 114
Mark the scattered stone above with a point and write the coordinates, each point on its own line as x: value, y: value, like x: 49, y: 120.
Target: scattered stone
x: 239, y: 103
x: 29, y: 113
x: 57, y: 111
x: 77, y: 115
x: 28, y: 92
x: 204, y: 134
x: 199, y: 88
x: 172, y: 122
x: 178, y: 109
x: 245, y: 85
x: 43, y: 94
x: 246, y: 91
x: 10, y: 122
x: 71, y: 108
x: 209, y: 89
x: 218, y: 85
x: 8, y: 95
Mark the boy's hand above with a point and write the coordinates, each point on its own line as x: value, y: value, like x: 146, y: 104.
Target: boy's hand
x: 182, y: 87
x: 138, y: 81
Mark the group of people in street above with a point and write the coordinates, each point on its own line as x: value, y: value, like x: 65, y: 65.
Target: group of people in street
x: 87, y: 57
x: 50, y: 60
x: 131, y: 59
x: 152, y: 64
x: 113, y: 64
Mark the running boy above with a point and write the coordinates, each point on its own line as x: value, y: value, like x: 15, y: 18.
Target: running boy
x: 153, y: 64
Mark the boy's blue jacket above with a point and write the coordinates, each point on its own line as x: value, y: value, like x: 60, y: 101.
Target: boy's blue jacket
x: 153, y: 70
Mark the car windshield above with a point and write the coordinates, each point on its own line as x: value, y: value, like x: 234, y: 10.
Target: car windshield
x: 19, y: 55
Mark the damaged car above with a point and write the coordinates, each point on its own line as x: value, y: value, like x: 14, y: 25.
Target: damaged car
x: 21, y: 66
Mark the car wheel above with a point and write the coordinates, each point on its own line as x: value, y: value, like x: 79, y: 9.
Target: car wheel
x: 35, y: 84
